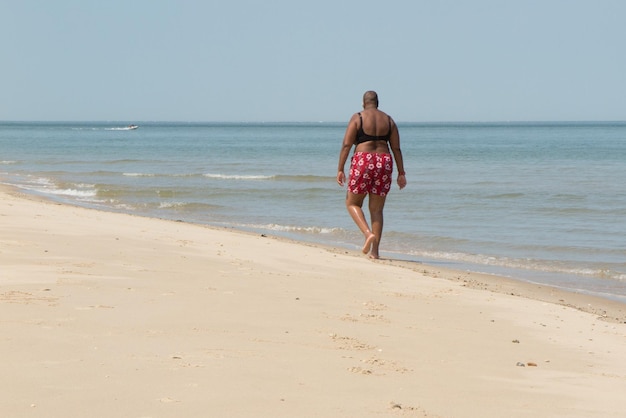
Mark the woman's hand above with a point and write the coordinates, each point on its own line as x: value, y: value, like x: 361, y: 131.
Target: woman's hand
x: 341, y: 178
x: 402, y: 181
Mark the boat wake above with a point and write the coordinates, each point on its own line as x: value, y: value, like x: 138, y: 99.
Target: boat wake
x: 124, y: 128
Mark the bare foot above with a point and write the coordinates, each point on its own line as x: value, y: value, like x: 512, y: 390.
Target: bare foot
x: 368, y: 243
x: 374, y: 256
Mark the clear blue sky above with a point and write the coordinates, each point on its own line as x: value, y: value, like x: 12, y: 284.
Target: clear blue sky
x: 290, y: 60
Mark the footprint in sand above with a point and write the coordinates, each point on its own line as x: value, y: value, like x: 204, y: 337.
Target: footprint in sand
x: 348, y: 343
x: 373, y: 306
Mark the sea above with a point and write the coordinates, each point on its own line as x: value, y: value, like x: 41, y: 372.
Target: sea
x: 541, y: 202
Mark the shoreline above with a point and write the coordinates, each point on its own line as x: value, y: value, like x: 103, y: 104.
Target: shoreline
x: 612, y: 309
x: 608, y: 309
x: 108, y: 314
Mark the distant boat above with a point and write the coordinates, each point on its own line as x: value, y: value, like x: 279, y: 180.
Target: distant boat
x: 131, y: 127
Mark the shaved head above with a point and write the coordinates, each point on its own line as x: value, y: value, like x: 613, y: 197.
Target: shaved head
x: 370, y: 97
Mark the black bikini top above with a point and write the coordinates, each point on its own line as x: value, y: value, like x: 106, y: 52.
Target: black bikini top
x: 361, y: 136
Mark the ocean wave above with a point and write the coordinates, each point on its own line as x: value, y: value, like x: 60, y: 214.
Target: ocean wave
x: 527, y: 264
x: 238, y: 176
x: 107, y: 191
x: 305, y: 178
x: 292, y: 228
x: 79, y: 191
x: 123, y: 161
x: 172, y: 205
x: 302, y: 229
x: 139, y: 174
x: 72, y: 190
x: 46, y: 187
x: 74, y: 193
x: 505, y: 196
x: 180, y: 206
x: 276, y: 177
x: 165, y: 175
x: 253, y: 177
x: 8, y: 162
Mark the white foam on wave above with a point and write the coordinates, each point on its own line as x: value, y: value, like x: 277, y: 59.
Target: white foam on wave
x: 43, y: 181
x: 521, y: 264
x: 138, y: 174
x: 74, y: 193
x: 171, y: 205
x: 129, y: 174
x: 8, y: 162
x: 45, y: 185
x: 299, y: 229
x: 238, y: 177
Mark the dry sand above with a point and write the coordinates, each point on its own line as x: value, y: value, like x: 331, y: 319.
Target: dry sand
x: 111, y: 315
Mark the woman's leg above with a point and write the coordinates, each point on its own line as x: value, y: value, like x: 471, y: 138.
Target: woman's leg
x: 354, y: 204
x: 376, y: 206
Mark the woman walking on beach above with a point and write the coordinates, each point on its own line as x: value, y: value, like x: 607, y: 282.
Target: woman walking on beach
x: 372, y: 132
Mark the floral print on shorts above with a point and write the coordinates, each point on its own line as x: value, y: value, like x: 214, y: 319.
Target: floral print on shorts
x: 370, y: 172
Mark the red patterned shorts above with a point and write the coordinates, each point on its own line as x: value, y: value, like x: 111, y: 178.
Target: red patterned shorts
x: 370, y: 172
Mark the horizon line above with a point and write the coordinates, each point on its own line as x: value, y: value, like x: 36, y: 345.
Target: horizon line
x: 127, y: 121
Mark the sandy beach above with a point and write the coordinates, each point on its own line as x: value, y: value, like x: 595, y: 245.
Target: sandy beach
x: 112, y: 315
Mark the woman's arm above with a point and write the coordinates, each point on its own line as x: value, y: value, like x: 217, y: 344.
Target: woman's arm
x: 394, y: 143
x: 348, y: 141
